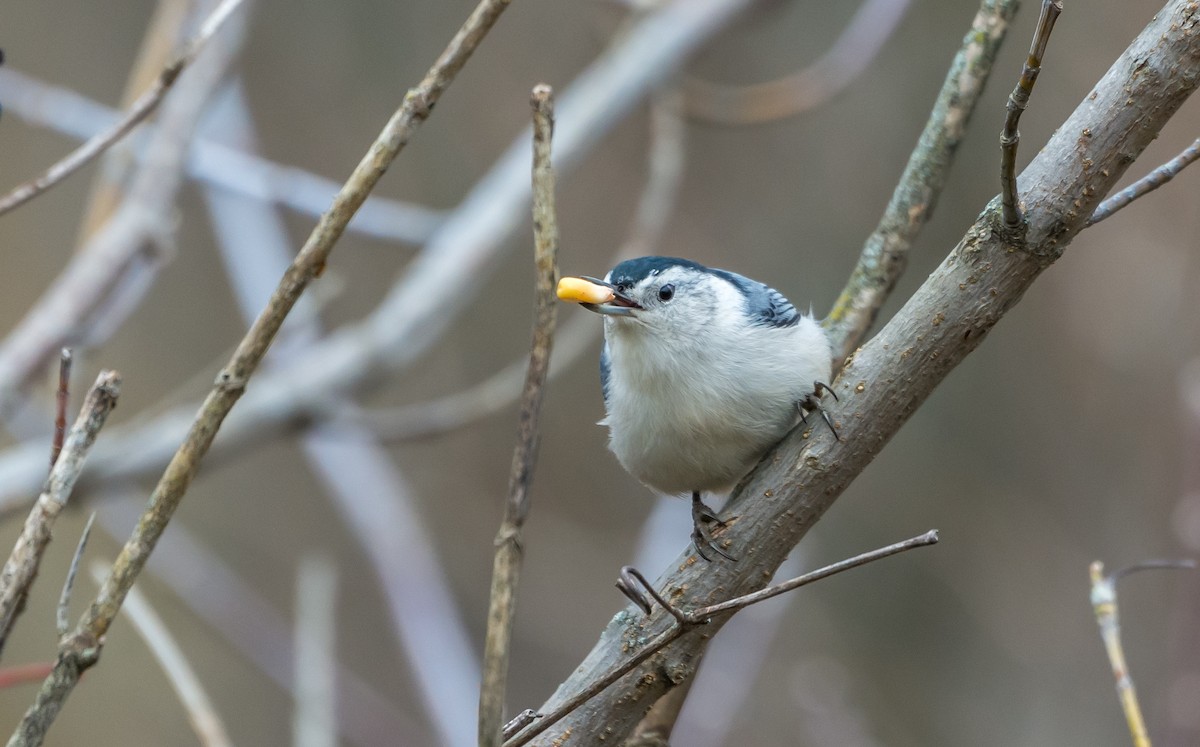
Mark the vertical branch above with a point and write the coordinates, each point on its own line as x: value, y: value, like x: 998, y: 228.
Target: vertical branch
x: 22, y: 565
x: 506, y: 570
x: 1010, y: 137
x: 60, y: 404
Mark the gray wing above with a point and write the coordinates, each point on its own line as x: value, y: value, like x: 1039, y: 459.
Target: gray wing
x: 605, y: 371
x: 765, y: 306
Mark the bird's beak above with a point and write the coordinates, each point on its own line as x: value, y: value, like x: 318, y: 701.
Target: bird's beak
x: 596, y: 295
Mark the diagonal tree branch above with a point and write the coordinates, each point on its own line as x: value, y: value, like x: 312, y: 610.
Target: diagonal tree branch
x: 889, y: 377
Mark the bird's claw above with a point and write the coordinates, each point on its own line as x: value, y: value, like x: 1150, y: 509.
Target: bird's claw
x: 813, y: 402
x: 701, y: 538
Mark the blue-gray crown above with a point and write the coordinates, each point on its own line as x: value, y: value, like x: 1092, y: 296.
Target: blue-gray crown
x: 765, y: 306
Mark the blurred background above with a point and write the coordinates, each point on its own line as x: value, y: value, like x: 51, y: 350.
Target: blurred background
x: 1071, y: 435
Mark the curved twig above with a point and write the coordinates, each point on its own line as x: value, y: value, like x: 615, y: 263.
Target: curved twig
x: 851, y: 53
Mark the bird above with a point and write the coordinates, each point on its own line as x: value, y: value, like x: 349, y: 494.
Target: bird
x: 702, y: 371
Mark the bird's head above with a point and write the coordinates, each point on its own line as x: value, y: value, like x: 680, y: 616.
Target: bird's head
x: 657, y: 296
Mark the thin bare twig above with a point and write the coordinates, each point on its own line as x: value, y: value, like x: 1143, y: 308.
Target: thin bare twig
x: 884, y: 255
x: 850, y: 54
x: 107, y: 278
x: 506, y: 570
x: 1010, y: 137
x: 1104, y: 605
x: 62, y: 613
x: 634, y: 585
x: 143, y: 107
x: 22, y: 565
x: 61, y: 397
x: 82, y: 647
x: 314, y: 718
x: 1147, y: 183
x: 206, y: 721
x: 245, y: 174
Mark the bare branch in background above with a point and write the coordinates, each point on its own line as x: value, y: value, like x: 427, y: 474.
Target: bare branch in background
x: 43, y: 105
x: 22, y: 565
x: 214, y: 593
x: 163, y: 32
x: 1010, y: 201
x: 416, y: 312
x: 314, y: 717
x: 202, y: 714
x: 506, y: 570
x: 111, y: 273
x: 142, y: 108
x: 1147, y: 183
x: 81, y: 649
x: 1104, y: 605
x: 851, y: 53
x: 635, y: 586
x: 889, y: 377
x: 360, y: 477
x: 885, y: 254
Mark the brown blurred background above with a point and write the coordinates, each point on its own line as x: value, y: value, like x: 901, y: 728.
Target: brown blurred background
x: 1067, y: 437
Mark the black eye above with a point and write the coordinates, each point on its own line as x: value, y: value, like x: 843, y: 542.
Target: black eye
x: 666, y: 293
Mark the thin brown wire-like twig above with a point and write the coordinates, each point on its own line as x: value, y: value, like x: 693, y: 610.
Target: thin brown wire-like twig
x: 143, y: 107
x: 61, y: 397
x: 884, y: 255
x: 684, y: 621
x: 1147, y: 184
x: 26, y: 556
x: 1010, y: 137
x: 1104, y: 606
x: 506, y: 570
x: 80, y: 650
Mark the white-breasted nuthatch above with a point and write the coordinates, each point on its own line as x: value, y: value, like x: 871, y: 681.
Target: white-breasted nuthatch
x: 703, y: 370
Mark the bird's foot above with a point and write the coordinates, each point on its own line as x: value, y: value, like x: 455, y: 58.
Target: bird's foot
x: 812, y: 403
x: 701, y: 537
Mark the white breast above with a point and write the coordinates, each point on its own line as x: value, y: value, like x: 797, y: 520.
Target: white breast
x: 700, y: 414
